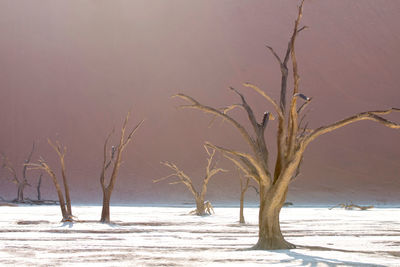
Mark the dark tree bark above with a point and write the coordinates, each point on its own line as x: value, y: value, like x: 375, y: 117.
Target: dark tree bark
x: 38, y: 187
x: 202, y: 208
x: 292, y: 140
x: 114, y: 160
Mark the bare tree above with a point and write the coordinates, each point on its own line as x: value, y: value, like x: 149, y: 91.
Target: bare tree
x: 65, y: 205
x: 21, y: 183
x: 38, y: 187
x: 202, y: 208
x: 292, y: 140
x: 244, y: 185
x: 114, y: 160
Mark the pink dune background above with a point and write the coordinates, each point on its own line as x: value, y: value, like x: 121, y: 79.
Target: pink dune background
x: 70, y: 71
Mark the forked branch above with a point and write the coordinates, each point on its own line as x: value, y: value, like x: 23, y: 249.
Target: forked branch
x: 196, y: 105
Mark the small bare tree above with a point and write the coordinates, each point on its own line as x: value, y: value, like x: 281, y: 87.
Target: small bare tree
x: 244, y: 185
x: 38, y: 187
x: 65, y: 205
x: 115, y: 159
x: 292, y: 140
x: 202, y: 208
x: 21, y: 183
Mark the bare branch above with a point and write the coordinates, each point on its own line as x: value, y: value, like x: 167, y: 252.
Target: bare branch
x: 275, y: 55
x: 224, y: 110
x: 302, y: 28
x: 105, y: 165
x: 250, y: 160
x: 369, y: 115
x: 183, y: 178
x: 304, y: 105
x: 292, y: 123
x: 248, y: 109
x: 164, y: 178
x: 207, y: 109
x: 267, y: 97
x: 28, y: 159
x: 128, y: 139
x: 248, y: 170
x: 10, y: 168
x: 265, y: 120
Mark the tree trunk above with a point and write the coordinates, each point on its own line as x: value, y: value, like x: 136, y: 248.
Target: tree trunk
x: 20, y: 192
x: 66, y: 216
x: 64, y: 213
x: 270, y: 235
x: 105, y: 213
x: 200, y: 208
x: 241, y: 216
x: 38, y: 187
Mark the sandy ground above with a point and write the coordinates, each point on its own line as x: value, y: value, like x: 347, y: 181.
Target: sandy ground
x: 162, y: 236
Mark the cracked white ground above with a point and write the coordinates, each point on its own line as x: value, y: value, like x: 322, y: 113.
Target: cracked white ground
x: 163, y: 236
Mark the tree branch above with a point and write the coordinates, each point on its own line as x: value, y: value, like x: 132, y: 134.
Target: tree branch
x: 251, y: 160
x: 183, y: 178
x: 9, y: 167
x: 369, y: 115
x: 267, y: 97
x: 207, y: 109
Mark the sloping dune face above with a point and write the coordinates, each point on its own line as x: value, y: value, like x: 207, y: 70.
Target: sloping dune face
x: 70, y: 71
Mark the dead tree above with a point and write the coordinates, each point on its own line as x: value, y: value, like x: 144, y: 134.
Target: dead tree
x: 21, y: 183
x: 244, y: 185
x: 115, y: 159
x: 202, y: 208
x: 65, y: 205
x: 352, y: 206
x: 38, y: 187
x: 292, y: 140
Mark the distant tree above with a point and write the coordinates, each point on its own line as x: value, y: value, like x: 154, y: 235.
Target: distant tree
x: 202, y: 207
x: 292, y: 139
x: 114, y: 160
x: 65, y: 205
x: 21, y: 183
x: 38, y: 187
x: 244, y: 185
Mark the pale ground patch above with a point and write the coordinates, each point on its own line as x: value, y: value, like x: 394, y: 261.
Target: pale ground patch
x: 162, y: 236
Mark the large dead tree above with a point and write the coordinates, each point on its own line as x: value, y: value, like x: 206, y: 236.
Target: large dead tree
x: 292, y: 140
x: 113, y: 160
x: 21, y: 183
x: 202, y: 208
x: 65, y: 204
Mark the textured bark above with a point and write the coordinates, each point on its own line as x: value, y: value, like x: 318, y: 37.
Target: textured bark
x: 200, y: 207
x: 292, y: 141
x: 105, y: 212
x: 114, y: 161
x: 270, y: 235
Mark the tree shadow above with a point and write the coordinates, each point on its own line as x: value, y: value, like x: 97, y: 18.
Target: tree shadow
x: 69, y: 224
x: 314, y: 261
